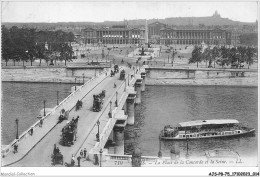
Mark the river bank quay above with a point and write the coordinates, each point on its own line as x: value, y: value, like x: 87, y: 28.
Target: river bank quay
x: 243, y: 82
x: 155, y: 76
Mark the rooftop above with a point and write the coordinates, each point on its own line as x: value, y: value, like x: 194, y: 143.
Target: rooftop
x: 208, y: 122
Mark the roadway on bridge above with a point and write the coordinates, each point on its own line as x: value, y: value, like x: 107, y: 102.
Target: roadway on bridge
x: 40, y: 155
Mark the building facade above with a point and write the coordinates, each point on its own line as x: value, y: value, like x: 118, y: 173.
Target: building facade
x: 154, y: 32
x: 114, y: 35
x: 216, y: 36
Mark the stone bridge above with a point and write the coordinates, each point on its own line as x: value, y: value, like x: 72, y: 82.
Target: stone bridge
x: 36, y: 144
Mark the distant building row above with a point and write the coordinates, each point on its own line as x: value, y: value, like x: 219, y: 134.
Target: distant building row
x: 159, y: 33
x: 114, y: 35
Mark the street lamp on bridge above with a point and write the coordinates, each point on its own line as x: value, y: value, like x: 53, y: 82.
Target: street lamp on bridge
x: 44, y: 113
x: 100, y: 151
x: 110, y: 111
x: 57, y: 97
x: 16, y: 121
x: 116, y: 99
x: 75, y: 83
x: 97, y: 136
x: 160, y: 152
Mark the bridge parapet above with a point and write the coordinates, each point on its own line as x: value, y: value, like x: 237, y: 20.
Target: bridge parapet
x: 118, y: 120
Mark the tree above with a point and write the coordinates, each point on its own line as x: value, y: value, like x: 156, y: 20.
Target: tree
x: 242, y: 55
x: 223, y: 60
x: 233, y: 57
x: 27, y: 44
x: 7, y: 46
x: 215, y: 54
x: 196, y: 55
x: 40, y: 49
x: 66, y: 53
x: 250, y: 55
x: 207, y: 56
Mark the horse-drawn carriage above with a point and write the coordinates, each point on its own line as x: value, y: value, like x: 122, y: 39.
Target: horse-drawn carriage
x: 69, y: 132
x: 98, y: 101
x: 64, y: 115
x: 56, y: 157
x: 122, y: 75
x: 112, y: 73
x: 78, y: 105
x: 116, y: 68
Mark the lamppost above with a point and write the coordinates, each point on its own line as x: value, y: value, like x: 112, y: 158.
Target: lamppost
x: 100, y: 151
x: 128, y: 79
x: 125, y: 85
x: 44, y: 113
x: 116, y: 99
x: 57, y: 97
x: 110, y: 111
x: 16, y: 121
x: 160, y: 152
x: 83, y: 78
x: 75, y: 83
x: 97, y: 136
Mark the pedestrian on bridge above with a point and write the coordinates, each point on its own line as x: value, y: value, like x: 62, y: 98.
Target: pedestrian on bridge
x: 41, y: 122
x: 15, y: 148
x: 96, y: 159
x: 81, y: 153
x: 78, y: 158
x: 72, y: 160
x: 85, y: 152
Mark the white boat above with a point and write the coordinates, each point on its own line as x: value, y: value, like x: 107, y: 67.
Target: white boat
x: 205, y: 129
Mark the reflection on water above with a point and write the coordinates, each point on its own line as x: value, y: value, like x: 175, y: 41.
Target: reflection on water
x: 169, y: 105
x: 24, y: 101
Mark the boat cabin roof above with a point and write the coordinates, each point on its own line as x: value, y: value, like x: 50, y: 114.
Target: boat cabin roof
x: 208, y: 122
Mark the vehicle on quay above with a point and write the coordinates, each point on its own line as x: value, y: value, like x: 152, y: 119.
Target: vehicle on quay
x: 200, y: 129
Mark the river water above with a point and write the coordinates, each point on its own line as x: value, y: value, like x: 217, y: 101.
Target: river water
x: 170, y: 105
x: 23, y: 101
x: 161, y: 105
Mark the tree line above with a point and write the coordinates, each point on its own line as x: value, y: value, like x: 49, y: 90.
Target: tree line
x: 223, y: 56
x: 27, y: 44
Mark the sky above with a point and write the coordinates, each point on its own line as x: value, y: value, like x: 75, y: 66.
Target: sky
x: 93, y: 11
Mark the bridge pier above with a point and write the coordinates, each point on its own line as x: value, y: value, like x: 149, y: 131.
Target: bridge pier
x: 143, y: 75
x: 138, y: 90
x: 130, y: 107
x: 119, y: 132
x: 125, y: 107
x: 119, y: 140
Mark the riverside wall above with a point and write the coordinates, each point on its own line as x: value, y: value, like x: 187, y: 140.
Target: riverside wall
x: 154, y: 76
x: 178, y: 76
x: 47, y: 74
